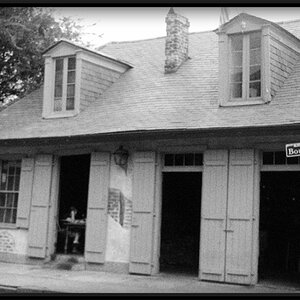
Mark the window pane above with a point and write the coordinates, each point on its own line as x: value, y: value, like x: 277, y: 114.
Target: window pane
x: 280, y: 158
x: 70, y: 103
x: 59, y: 63
x: 58, y: 78
x: 292, y: 160
x: 189, y: 159
x: 10, y: 185
x: 237, y: 75
x: 58, y: 91
x: 16, y: 200
x: 71, y: 63
x: 17, y: 183
x: 237, y: 42
x: 198, y: 159
x: 2, y: 210
x: 71, y: 77
x: 169, y: 159
x: 10, y: 200
x: 255, y: 57
x: 237, y: 59
x: 255, y: 40
x: 236, y: 90
x: 3, y: 181
x: 268, y: 158
x: 11, y: 170
x: 57, y: 105
x: 178, y: 159
x: 255, y: 73
x: 254, y: 89
x: 14, y: 216
x: 2, y: 199
x: 71, y: 90
x: 8, y: 215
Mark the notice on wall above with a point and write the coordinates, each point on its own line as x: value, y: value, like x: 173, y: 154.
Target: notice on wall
x: 292, y: 150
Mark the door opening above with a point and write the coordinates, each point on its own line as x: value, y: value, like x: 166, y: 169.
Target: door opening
x: 73, y: 193
x: 180, y: 224
x: 279, y: 228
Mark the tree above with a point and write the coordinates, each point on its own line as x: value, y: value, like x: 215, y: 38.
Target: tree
x: 25, y: 32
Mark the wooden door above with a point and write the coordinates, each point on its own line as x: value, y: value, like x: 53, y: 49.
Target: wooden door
x: 141, y: 246
x: 39, y: 214
x: 240, y: 217
x: 213, y: 215
x: 96, y: 226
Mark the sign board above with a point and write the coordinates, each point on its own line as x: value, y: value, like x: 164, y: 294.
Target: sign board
x: 292, y: 150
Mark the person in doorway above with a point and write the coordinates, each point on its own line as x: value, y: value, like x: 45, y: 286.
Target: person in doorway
x: 75, y: 232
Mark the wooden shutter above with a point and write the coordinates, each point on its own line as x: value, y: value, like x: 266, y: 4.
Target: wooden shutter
x: 38, y: 227
x: 213, y: 215
x: 240, y: 217
x: 143, y: 205
x: 96, y: 227
x: 25, y: 192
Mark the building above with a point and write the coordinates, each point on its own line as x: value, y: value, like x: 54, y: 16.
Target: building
x: 199, y: 122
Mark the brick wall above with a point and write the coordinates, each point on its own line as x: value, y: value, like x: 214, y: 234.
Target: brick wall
x: 120, y: 208
x: 94, y: 81
x: 177, y: 41
x: 7, y: 242
x: 282, y: 61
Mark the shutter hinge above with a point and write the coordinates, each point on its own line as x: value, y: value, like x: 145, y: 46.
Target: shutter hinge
x: 253, y: 218
x: 154, y: 215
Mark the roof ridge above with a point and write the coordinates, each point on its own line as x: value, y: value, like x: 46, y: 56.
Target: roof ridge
x: 148, y: 39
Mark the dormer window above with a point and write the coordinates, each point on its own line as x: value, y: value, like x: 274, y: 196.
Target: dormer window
x: 74, y: 77
x: 245, y: 66
x: 64, y: 88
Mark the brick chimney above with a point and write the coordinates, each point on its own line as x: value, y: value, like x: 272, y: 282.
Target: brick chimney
x: 177, y: 41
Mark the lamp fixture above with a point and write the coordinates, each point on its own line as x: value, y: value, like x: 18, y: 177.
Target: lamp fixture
x: 121, y: 157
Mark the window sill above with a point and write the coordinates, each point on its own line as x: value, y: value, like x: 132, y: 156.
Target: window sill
x: 8, y: 226
x: 61, y: 115
x: 229, y: 103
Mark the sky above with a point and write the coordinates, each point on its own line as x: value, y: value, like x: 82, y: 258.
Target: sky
x: 107, y: 24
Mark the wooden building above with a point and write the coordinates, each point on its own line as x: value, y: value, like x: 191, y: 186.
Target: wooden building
x: 204, y: 118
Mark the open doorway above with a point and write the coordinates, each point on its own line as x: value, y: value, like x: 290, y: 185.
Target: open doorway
x: 279, y: 228
x: 73, y: 193
x: 180, y: 225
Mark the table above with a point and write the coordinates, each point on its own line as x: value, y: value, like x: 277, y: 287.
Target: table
x: 70, y: 226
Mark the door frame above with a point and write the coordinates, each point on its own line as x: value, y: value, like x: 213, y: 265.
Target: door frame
x: 160, y: 169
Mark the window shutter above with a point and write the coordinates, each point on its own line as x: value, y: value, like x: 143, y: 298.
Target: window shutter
x: 96, y: 227
x: 39, y: 213
x: 141, y: 245
x: 25, y: 192
x: 213, y: 215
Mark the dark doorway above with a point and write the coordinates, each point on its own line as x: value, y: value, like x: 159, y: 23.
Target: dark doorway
x: 180, y: 227
x: 73, y: 192
x: 279, y: 228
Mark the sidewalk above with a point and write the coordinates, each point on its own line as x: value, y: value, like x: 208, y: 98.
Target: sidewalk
x: 32, y: 277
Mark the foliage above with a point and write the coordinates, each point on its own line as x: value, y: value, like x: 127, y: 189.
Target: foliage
x: 25, y: 32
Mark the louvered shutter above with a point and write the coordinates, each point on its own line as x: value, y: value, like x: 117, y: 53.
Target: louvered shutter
x: 96, y: 227
x: 143, y: 205
x: 25, y: 192
x: 39, y: 213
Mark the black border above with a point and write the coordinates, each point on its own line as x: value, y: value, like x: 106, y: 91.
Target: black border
x: 149, y: 3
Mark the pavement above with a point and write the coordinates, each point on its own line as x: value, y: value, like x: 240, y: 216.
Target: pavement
x: 22, y: 278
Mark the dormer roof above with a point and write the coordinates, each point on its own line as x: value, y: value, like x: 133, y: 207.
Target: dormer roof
x: 66, y: 43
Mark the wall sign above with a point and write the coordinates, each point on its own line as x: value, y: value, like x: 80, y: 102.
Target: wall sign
x: 292, y: 150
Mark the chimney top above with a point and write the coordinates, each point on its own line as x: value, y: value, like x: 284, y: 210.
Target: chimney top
x: 176, y: 41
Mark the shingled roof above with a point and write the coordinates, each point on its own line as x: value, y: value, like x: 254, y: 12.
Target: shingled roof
x: 146, y: 99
